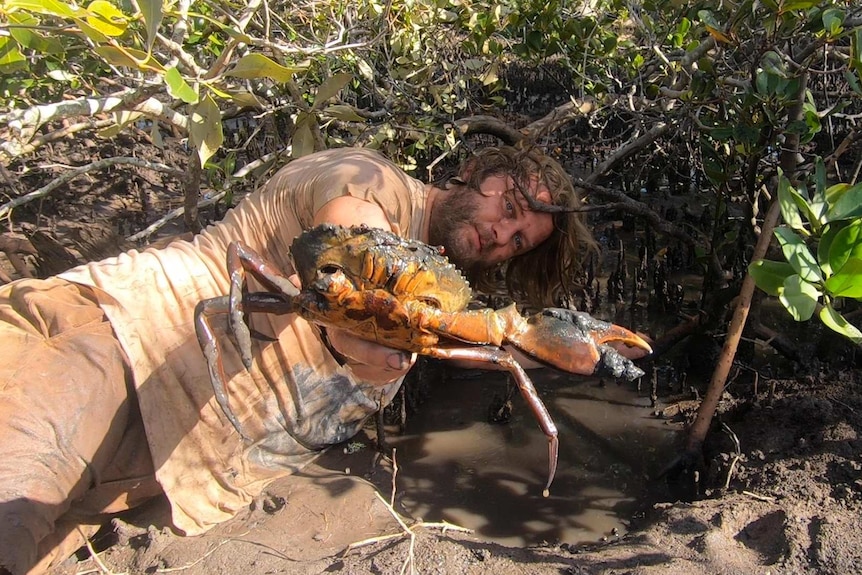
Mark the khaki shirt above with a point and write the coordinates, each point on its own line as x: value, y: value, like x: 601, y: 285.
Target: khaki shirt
x: 296, y: 399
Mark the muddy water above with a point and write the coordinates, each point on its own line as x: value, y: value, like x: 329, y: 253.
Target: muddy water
x: 454, y: 466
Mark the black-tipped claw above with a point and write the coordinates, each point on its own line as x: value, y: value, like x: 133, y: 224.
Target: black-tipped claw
x: 616, y: 364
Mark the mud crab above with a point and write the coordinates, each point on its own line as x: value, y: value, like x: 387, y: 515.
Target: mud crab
x: 406, y: 295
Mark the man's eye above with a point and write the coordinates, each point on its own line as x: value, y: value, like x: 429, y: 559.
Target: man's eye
x: 519, y: 241
x: 509, y: 207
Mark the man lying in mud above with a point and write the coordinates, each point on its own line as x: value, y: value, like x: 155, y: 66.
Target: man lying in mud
x: 105, y: 396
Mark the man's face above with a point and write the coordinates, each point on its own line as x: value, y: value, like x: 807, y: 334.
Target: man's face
x: 480, y: 229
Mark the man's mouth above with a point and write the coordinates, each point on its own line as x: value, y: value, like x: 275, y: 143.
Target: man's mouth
x: 479, y: 245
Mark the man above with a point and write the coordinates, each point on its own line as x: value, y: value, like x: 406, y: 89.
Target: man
x: 105, y: 398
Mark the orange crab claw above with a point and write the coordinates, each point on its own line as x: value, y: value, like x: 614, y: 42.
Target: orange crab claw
x: 577, y: 343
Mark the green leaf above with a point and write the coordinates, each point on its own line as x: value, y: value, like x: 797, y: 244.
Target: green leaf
x: 833, y: 193
x: 836, y: 322
x: 856, y: 51
x: 11, y: 58
x: 243, y: 98
x: 330, y: 88
x: 847, y: 281
x: 799, y: 297
x: 205, y: 130
x: 722, y: 133
x: 761, y: 82
x: 798, y: 255
x: 826, y: 238
x: 817, y: 202
x: 47, y: 7
x: 151, y: 12
x: 365, y: 69
x: 253, y: 66
x: 769, y: 276
x: 179, y: 88
x: 343, y: 113
x: 61, y: 75
x: 789, y: 208
x: 773, y: 64
x: 821, y: 180
x: 798, y: 5
x: 106, y: 18
x: 302, y: 142
x: 121, y: 119
x: 27, y: 34
x: 129, y: 57
x: 535, y: 40
x: 832, y: 21
x: 848, y: 205
x: 846, y: 244
x: 853, y: 81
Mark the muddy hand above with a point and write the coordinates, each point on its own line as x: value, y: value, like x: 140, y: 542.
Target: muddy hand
x: 576, y: 342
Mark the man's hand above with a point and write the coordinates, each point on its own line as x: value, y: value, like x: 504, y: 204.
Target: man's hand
x: 369, y: 361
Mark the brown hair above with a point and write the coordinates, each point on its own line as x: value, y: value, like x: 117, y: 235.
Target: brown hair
x: 551, y: 269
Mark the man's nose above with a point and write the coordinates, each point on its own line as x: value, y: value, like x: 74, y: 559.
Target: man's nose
x: 504, y: 230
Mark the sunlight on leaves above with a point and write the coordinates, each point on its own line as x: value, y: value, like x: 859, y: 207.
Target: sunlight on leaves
x: 799, y: 297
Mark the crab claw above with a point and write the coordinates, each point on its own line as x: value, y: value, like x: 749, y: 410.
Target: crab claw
x: 576, y: 342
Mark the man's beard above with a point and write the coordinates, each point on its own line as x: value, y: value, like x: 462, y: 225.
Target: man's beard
x: 452, y: 220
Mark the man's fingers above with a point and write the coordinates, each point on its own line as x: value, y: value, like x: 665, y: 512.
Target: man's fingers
x: 371, y: 361
x: 374, y: 375
x: 366, y: 352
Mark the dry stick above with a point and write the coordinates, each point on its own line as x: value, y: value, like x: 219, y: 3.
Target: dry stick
x: 759, y: 497
x: 405, y: 529
x: 172, y: 215
x: 102, y: 567
x: 196, y: 561
x: 700, y: 427
x: 38, y: 142
x: 736, y: 456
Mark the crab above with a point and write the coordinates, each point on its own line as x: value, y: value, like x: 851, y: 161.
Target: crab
x: 407, y: 295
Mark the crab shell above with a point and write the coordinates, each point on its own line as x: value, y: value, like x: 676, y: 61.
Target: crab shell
x: 360, y: 278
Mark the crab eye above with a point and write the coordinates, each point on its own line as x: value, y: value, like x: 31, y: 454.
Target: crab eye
x: 431, y: 302
x: 329, y: 269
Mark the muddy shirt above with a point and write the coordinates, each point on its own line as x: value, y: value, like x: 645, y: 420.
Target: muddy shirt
x: 296, y: 399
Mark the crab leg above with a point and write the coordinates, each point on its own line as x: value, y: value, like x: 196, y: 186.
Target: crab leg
x: 242, y: 259
x: 264, y: 302
x: 505, y: 360
x: 207, y: 341
x: 568, y: 340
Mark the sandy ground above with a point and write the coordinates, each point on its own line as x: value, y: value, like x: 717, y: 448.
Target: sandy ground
x: 792, y: 506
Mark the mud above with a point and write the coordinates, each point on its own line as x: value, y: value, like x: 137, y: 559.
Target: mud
x: 791, y: 505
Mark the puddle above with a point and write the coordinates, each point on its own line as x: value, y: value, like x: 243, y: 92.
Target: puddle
x: 454, y: 466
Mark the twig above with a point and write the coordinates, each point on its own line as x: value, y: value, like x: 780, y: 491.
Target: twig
x: 759, y: 497
x: 406, y: 530
x: 394, y: 475
x: 736, y: 456
x: 102, y: 567
x: 196, y: 561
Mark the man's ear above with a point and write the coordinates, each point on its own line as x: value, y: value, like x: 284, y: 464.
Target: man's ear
x: 544, y: 196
